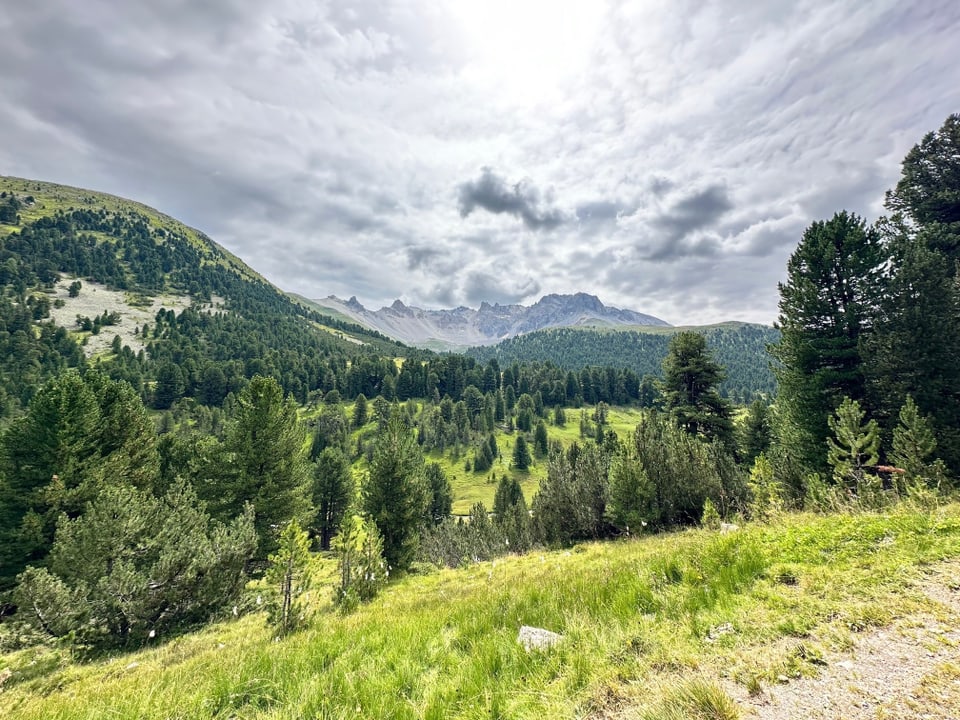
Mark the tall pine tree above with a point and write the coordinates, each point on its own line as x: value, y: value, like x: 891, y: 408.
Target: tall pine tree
x: 396, y: 495
x: 827, y: 308
x: 689, y: 389
x: 267, y: 462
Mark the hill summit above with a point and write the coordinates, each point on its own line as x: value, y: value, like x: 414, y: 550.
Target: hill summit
x: 464, y: 327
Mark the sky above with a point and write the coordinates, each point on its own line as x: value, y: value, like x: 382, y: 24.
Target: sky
x: 664, y: 156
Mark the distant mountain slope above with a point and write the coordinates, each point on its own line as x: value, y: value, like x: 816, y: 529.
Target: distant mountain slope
x: 211, y: 322
x: 464, y: 327
x: 740, y: 347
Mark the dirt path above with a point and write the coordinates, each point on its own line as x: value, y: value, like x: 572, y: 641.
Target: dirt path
x: 910, y: 670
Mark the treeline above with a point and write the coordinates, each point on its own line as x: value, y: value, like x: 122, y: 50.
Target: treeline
x: 740, y: 348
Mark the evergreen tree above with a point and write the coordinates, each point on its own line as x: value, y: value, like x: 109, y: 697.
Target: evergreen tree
x: 333, y: 492
x: 483, y: 541
x: 914, y: 446
x: 666, y: 475
x: 571, y: 502
x: 170, y: 386
x: 331, y: 431
x: 756, y: 431
x: 689, y: 389
x: 540, y: 441
x: 633, y: 498
x: 854, y: 450
x: 928, y: 192
x: 396, y: 494
x: 827, y: 307
x: 521, y: 454
x: 289, y: 574
x: 267, y: 463
x: 508, y: 494
x: 133, y: 566
x: 440, y: 494
x: 516, y: 526
x: 915, y: 350
x: 360, y: 411
x: 559, y: 417
x: 79, y: 434
x: 363, y: 569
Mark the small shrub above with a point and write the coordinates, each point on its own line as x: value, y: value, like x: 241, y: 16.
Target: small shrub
x: 289, y: 574
x: 363, y: 571
x: 710, y: 518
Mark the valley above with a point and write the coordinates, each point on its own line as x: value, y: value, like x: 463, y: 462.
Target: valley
x: 218, y: 499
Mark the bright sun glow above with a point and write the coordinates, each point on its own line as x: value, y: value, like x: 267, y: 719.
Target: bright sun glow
x: 528, y: 49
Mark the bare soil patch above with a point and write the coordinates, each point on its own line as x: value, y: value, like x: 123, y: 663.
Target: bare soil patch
x: 95, y: 298
x: 909, y: 669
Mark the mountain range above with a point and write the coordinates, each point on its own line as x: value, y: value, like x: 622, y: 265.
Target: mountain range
x: 464, y: 327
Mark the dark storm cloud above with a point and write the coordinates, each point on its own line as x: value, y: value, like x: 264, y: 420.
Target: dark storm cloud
x: 682, y: 248
x: 492, y: 193
x: 696, y: 211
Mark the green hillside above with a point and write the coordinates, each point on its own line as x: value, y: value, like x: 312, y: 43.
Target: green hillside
x: 192, y: 320
x: 740, y: 347
x: 683, y: 625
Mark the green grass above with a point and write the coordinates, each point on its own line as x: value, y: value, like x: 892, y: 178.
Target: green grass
x: 471, y: 487
x: 639, y: 619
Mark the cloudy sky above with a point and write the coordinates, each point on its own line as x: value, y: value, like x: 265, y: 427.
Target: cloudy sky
x: 663, y: 155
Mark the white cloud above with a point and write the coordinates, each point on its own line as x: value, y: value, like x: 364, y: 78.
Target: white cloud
x: 680, y: 147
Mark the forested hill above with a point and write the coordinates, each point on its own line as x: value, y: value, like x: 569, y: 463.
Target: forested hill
x: 740, y: 347
x: 231, y: 325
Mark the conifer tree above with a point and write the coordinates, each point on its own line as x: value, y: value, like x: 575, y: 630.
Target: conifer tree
x: 689, y: 389
x: 854, y: 449
x: 521, y: 454
x: 756, y: 432
x: 540, y: 441
x: 133, y: 566
x: 360, y: 411
x: 508, y: 494
x: 827, y: 307
x: 363, y: 568
x: 396, y: 493
x: 915, y: 350
x: 267, y: 463
x: 290, y: 575
x: 440, y: 493
x: 332, y: 493
x: 914, y: 445
x: 80, y: 433
x: 928, y: 192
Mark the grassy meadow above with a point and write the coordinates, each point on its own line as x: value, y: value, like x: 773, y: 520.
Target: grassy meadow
x: 471, y: 487
x: 655, y: 624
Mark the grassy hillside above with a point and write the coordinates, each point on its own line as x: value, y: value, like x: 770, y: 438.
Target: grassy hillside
x: 673, y: 626
x: 44, y: 199
x: 162, y: 288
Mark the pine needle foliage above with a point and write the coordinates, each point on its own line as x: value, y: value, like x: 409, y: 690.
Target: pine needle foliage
x: 290, y: 576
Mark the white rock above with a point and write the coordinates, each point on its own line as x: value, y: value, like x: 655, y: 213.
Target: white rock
x: 533, y: 638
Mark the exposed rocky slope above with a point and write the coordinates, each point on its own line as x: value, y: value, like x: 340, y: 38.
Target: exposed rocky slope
x: 464, y: 327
